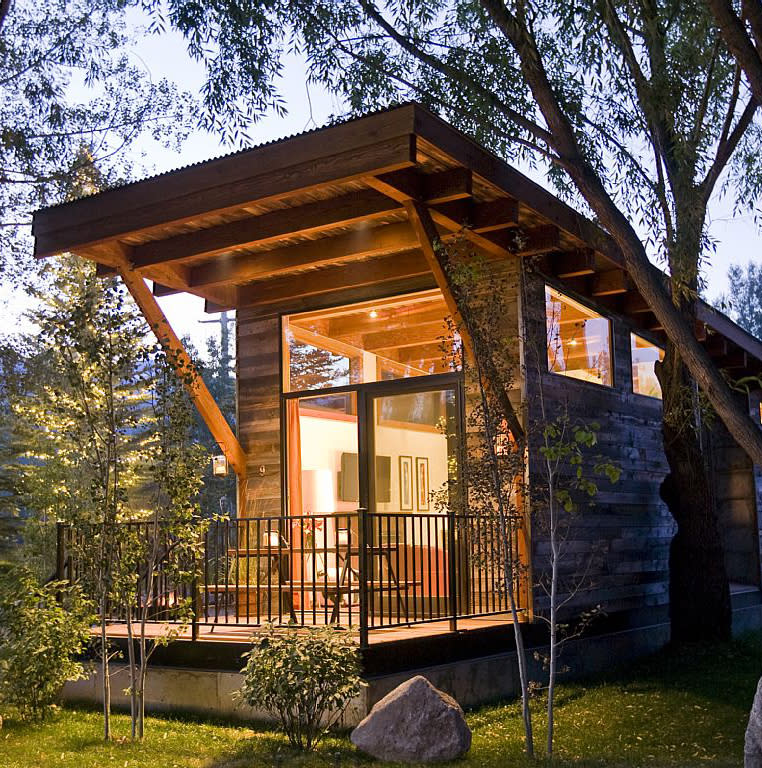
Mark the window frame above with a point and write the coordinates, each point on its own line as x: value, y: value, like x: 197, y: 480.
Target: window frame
x: 638, y: 334
x: 569, y: 294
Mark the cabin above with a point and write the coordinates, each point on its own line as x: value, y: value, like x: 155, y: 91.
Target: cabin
x: 348, y: 413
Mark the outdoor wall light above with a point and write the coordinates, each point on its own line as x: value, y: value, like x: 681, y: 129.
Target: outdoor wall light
x: 219, y: 466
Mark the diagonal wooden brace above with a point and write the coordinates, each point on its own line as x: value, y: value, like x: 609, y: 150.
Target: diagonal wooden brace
x: 180, y: 360
x: 422, y: 223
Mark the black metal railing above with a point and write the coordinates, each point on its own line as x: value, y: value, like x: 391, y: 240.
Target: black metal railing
x: 363, y: 570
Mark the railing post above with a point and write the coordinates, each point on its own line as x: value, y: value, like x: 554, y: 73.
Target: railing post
x: 195, y: 594
x: 451, y: 570
x: 362, y: 547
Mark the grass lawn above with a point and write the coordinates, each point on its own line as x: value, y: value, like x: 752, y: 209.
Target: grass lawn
x: 687, y: 709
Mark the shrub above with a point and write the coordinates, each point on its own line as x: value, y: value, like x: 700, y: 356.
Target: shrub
x: 305, y: 679
x: 42, y: 630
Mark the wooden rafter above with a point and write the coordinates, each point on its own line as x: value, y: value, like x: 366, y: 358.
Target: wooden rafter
x: 411, y: 184
x: 180, y: 360
x: 320, y: 216
x: 396, y: 267
x: 360, y: 243
x: 407, y: 186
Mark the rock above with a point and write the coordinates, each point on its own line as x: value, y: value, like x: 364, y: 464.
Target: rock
x: 415, y: 723
x: 752, y: 749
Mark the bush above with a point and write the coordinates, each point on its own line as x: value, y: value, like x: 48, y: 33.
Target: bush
x: 305, y: 679
x: 42, y: 630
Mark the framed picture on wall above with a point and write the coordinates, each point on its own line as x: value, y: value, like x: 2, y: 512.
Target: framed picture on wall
x: 422, y: 483
x: 406, y: 483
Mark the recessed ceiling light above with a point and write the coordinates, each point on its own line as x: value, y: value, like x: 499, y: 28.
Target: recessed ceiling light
x: 373, y: 313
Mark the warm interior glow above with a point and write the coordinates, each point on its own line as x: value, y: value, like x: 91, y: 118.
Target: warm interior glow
x: 644, y: 355
x: 578, y: 339
x: 389, y: 339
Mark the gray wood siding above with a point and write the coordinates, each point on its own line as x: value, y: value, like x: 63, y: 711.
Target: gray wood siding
x: 618, y: 548
x: 736, y: 496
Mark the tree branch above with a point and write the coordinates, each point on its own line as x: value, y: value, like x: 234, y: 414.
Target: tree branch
x: 725, y: 150
x: 647, y: 280
x: 737, y: 39
x: 456, y: 75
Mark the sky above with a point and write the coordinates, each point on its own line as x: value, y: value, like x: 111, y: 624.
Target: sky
x: 737, y: 237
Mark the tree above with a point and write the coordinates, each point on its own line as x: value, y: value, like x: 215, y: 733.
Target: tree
x: 491, y: 486
x: 72, y: 99
x: 85, y: 424
x: 637, y: 111
x: 161, y: 546
x: 744, y: 303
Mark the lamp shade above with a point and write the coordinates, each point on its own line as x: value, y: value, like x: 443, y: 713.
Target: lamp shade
x: 318, y: 492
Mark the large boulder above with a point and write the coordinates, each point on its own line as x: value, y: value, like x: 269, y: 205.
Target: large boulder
x: 415, y: 723
x: 752, y: 749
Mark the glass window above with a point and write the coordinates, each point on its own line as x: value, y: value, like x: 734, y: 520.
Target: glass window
x: 392, y: 338
x: 579, y: 340
x: 644, y: 355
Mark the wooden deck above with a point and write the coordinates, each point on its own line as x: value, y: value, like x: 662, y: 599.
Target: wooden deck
x: 238, y: 633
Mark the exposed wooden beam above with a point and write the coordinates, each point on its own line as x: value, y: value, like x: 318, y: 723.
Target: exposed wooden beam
x: 734, y: 359
x: 716, y: 345
x: 344, y: 327
x: 610, y: 283
x: 360, y: 243
x: 412, y: 184
x: 180, y: 360
x: 105, y: 270
x: 320, y: 216
x: 478, y: 217
x: 419, y: 352
x: 527, y: 241
x: 160, y: 290
x: 332, y: 298
x: 634, y: 304
x: 410, y: 335
x: 447, y: 188
x: 573, y: 263
x: 341, y: 312
x: 355, y: 275
x: 437, y: 260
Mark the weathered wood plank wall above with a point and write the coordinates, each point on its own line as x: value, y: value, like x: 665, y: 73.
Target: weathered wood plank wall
x: 259, y: 385
x: 736, y: 497
x: 618, y: 548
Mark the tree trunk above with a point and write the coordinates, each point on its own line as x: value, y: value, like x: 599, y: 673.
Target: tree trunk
x: 106, y: 675
x: 133, y: 675
x: 699, y: 593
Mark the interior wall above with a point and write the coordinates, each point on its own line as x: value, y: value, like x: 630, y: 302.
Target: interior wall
x: 325, y: 439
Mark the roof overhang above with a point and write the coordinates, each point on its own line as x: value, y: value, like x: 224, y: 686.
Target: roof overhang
x: 320, y: 218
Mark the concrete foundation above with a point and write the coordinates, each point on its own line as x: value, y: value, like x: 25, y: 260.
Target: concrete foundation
x: 471, y: 682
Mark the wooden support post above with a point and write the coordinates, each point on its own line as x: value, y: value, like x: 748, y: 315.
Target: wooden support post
x: 178, y: 357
